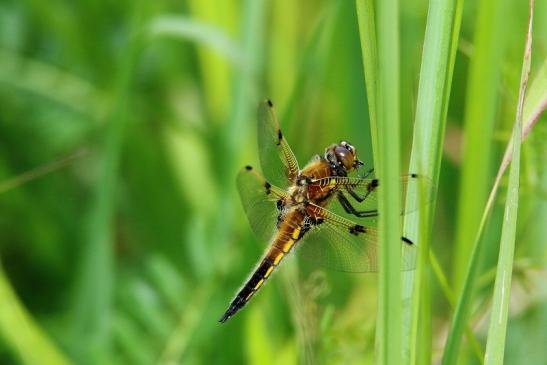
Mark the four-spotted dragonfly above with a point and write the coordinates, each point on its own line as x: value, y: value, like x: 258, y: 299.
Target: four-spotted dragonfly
x: 296, y: 206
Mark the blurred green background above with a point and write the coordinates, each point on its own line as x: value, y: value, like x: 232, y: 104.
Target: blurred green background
x: 122, y: 128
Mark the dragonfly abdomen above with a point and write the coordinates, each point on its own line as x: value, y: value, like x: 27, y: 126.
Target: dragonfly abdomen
x: 288, y: 234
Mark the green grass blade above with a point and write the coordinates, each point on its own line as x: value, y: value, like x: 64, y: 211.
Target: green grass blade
x: 495, y: 345
x: 484, y: 72
x: 480, y: 114
x: 40, y: 171
x: 369, y: 52
x: 449, y: 295
x: 532, y: 110
x: 92, y: 307
x: 215, y: 70
x: 441, y: 38
x: 387, y: 103
x: 534, y: 105
x: 39, y: 78
x: 201, y: 33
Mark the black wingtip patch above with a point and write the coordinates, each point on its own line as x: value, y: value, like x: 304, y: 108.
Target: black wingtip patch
x: 406, y: 240
x: 270, y: 104
x: 356, y: 229
x: 279, y: 136
x: 268, y: 187
x: 413, y: 175
x: 373, y: 184
x: 248, y: 167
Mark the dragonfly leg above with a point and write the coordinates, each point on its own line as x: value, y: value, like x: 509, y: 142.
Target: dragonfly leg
x: 372, y: 185
x: 367, y: 174
x: 351, y: 210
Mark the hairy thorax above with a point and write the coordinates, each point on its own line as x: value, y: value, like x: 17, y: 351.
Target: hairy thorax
x: 302, y: 192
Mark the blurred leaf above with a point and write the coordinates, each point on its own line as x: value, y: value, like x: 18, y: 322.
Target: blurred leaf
x: 260, y: 350
x: 21, y: 333
x: 71, y: 92
x: 202, y: 34
x: 482, y: 98
x: 190, y: 160
x: 215, y: 70
x: 92, y: 308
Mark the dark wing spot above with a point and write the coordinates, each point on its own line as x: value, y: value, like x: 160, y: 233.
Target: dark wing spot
x: 356, y: 229
x: 268, y: 187
x: 279, y: 136
x: 413, y: 175
x: 248, y: 167
x: 373, y: 184
x: 406, y: 240
x: 270, y: 104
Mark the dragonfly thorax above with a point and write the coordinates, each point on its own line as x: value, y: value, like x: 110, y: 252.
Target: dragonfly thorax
x: 299, y: 192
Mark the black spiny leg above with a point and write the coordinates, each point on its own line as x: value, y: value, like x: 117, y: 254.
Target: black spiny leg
x: 367, y: 174
x: 372, y: 185
x: 367, y: 213
x: 351, y: 210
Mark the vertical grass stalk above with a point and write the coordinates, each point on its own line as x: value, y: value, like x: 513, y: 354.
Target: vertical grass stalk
x: 495, y: 345
x: 440, y: 44
x: 92, y: 307
x: 369, y: 52
x: 480, y: 114
x: 388, y: 113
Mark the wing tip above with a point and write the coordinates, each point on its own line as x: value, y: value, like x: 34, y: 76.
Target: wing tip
x: 407, y: 241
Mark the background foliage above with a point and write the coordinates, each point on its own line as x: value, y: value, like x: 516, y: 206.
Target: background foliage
x: 123, y: 125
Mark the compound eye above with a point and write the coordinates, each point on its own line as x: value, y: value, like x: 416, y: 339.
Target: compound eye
x: 344, y: 156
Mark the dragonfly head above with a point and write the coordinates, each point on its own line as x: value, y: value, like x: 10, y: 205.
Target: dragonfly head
x: 343, y: 155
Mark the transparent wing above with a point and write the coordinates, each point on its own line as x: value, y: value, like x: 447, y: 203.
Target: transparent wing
x: 259, y: 199
x: 367, y: 191
x: 276, y: 157
x: 341, y: 244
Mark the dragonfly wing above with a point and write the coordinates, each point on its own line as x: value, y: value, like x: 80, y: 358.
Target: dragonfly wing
x: 277, y: 160
x: 367, y: 191
x: 343, y: 245
x: 259, y: 199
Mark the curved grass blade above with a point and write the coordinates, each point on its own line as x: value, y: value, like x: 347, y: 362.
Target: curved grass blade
x: 495, y: 345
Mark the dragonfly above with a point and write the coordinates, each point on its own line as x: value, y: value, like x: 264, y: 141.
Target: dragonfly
x: 324, y: 210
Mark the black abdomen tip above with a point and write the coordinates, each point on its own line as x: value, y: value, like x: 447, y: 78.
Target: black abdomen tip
x: 234, y: 307
x: 224, y: 317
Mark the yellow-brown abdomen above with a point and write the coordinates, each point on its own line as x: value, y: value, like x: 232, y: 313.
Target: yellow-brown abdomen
x: 287, y: 235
